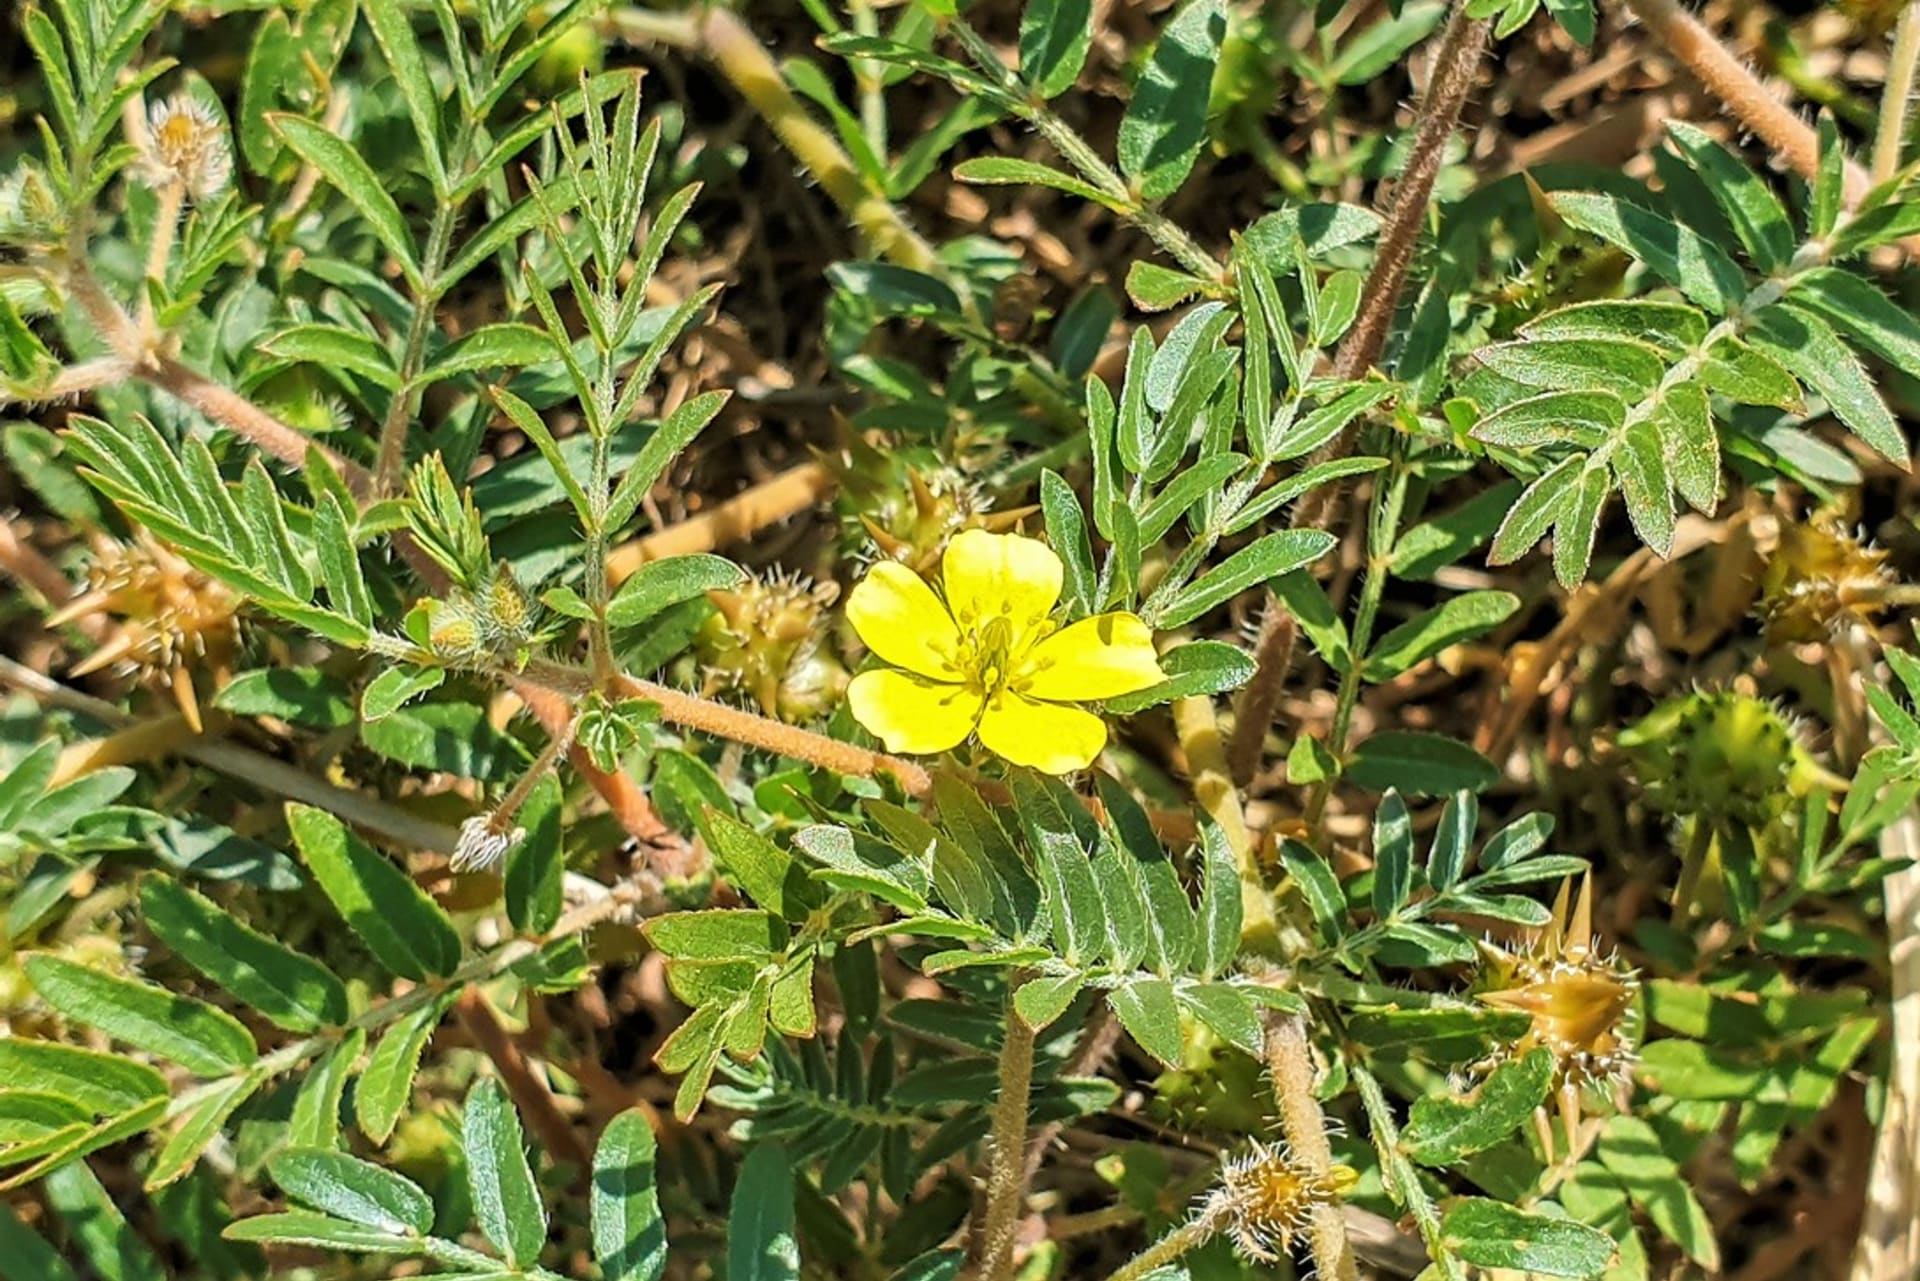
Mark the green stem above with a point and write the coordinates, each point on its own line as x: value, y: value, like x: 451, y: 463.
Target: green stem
x: 1891, y: 137
x: 1382, y: 527
x: 1076, y: 152
x: 1006, y: 1177
x: 392, y: 457
x: 867, y: 75
x: 489, y: 965
x: 1190, y: 1235
x: 1402, y: 1180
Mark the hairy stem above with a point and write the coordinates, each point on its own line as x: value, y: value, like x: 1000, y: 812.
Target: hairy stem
x: 170, y: 199
x: 1090, y: 1057
x: 1455, y: 63
x: 1289, y: 1056
x: 243, y: 417
x: 1006, y: 1181
x: 1403, y: 1182
x: 1891, y: 137
x: 1741, y: 92
x: 1259, y: 701
x: 392, y: 457
x: 1176, y: 1244
x: 747, y: 728
x: 624, y: 797
x: 1121, y: 198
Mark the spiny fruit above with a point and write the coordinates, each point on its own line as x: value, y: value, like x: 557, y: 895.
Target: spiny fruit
x: 1820, y: 581
x: 1580, y: 1001
x: 170, y: 618
x: 767, y: 638
x: 1721, y: 755
x: 907, y: 508
x: 296, y: 398
x: 1266, y: 1197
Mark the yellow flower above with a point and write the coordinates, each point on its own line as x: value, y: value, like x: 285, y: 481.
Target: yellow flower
x: 989, y: 658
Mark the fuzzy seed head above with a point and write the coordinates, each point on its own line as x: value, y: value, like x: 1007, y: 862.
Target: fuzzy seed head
x: 496, y: 622
x: 482, y: 844
x: 1266, y: 1197
x: 186, y: 144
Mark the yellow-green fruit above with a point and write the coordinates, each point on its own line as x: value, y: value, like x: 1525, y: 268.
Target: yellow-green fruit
x: 297, y: 399
x: 1218, y: 1090
x: 1241, y: 95
x: 1723, y: 756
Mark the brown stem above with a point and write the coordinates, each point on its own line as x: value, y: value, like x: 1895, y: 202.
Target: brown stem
x: 1259, y: 701
x: 1289, y: 1056
x: 244, y: 417
x: 773, y: 736
x: 24, y: 563
x: 1455, y: 64
x: 624, y: 798
x: 84, y: 377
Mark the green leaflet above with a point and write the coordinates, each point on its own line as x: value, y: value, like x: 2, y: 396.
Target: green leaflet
x: 192, y: 1033
x: 504, y: 1194
x: 629, y: 1236
x: 387, y: 1083
x: 293, y: 991
x: 404, y: 929
x: 1165, y: 124
x: 761, y: 1245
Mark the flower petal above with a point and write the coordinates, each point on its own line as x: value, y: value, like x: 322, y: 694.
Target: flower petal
x: 1100, y: 657
x: 911, y: 713
x: 988, y: 576
x: 902, y: 621
x: 1046, y: 736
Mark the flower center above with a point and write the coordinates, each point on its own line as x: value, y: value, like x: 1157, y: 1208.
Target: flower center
x: 990, y: 655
